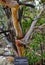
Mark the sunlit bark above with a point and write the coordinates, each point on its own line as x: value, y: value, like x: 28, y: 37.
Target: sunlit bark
x: 14, y: 10
x: 16, y: 22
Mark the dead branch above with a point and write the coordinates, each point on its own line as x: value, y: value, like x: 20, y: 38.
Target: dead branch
x: 28, y: 34
x: 36, y: 29
x: 40, y: 27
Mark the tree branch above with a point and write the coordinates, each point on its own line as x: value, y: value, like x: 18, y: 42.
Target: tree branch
x: 28, y: 34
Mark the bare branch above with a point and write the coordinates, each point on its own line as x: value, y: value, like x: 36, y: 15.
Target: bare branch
x: 40, y: 27
x: 28, y: 34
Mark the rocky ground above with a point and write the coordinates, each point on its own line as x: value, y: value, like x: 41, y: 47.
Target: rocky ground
x: 6, y: 49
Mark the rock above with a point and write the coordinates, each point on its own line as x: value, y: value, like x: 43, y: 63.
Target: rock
x: 8, y: 46
x: 6, y: 49
x: 7, y: 53
x: 1, y: 50
x: 5, y: 61
x: 1, y: 60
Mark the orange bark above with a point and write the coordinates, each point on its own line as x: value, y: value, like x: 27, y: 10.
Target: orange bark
x: 17, y: 29
x: 9, y: 3
x: 14, y: 9
x: 16, y: 22
x: 20, y: 48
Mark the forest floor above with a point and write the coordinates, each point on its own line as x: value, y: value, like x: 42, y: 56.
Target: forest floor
x: 6, y: 50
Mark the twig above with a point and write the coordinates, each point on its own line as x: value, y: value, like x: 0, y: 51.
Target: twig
x: 40, y: 27
x: 4, y: 31
x: 30, y: 49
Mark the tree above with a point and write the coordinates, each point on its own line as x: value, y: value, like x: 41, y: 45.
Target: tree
x: 22, y: 40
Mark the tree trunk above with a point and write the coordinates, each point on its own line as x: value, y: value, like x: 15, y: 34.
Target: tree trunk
x: 16, y: 22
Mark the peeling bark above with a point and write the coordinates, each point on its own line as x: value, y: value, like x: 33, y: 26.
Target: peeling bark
x: 16, y: 22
